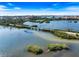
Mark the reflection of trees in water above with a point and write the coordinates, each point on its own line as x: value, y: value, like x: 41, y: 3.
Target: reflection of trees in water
x: 69, y: 25
x: 9, y: 27
x: 75, y: 21
x: 72, y: 21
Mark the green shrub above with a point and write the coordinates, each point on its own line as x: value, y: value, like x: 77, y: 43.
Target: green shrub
x: 35, y: 49
x: 56, y: 47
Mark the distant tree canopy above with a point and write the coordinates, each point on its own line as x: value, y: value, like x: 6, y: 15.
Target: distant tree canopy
x: 20, y: 20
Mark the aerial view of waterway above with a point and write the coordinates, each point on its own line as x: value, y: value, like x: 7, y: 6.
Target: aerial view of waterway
x: 13, y: 41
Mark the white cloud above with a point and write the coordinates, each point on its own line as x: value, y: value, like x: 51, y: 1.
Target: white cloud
x: 72, y: 8
x: 54, y: 4
x: 10, y: 4
x: 47, y: 11
x: 5, y: 8
x: 17, y: 8
x: 32, y: 12
x: 2, y: 7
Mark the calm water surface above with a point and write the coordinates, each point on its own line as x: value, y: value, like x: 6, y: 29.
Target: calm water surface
x: 63, y: 25
x: 13, y: 42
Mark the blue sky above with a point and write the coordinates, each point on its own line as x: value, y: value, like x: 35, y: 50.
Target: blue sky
x: 39, y: 8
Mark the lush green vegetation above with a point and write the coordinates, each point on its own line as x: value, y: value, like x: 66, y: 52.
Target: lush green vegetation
x: 34, y: 49
x: 51, y: 47
x: 64, y: 35
x: 11, y: 21
x: 21, y: 26
x: 40, y: 20
x: 57, y: 47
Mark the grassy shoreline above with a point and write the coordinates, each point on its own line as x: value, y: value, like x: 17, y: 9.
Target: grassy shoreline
x: 16, y: 26
x: 64, y: 34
